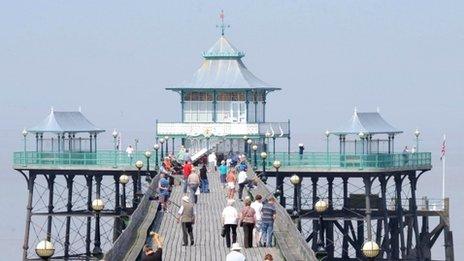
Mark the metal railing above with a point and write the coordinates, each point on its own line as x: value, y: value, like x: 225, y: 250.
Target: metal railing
x: 125, y: 243
x: 101, y: 158
x: 351, y: 161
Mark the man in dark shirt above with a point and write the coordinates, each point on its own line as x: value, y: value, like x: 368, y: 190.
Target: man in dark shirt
x: 148, y: 253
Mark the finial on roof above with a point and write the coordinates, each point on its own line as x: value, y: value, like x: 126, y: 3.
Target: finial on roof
x: 51, y: 109
x: 80, y: 109
x: 355, y: 110
x: 378, y: 109
x: 222, y: 26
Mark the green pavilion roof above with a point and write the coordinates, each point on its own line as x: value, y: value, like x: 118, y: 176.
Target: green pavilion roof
x: 223, y: 68
x: 367, y: 123
x: 65, y: 122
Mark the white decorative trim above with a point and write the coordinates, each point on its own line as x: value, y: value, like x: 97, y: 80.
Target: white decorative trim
x: 207, y: 129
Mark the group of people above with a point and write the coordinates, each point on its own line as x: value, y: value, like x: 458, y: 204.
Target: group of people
x: 256, y: 217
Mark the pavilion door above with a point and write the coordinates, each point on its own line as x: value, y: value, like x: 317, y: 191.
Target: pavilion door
x: 238, y: 111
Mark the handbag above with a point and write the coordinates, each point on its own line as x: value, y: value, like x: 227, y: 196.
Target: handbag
x: 223, y: 232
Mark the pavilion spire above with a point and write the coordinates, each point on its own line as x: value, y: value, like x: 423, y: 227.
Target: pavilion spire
x: 222, y: 26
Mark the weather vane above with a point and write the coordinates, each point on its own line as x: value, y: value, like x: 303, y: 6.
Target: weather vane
x: 222, y: 25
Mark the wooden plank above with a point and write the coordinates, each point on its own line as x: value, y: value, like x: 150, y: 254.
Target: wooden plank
x: 209, y: 245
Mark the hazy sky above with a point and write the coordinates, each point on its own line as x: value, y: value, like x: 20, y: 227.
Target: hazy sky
x: 114, y: 58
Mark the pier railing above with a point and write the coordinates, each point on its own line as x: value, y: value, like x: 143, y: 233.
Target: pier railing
x: 101, y: 158
x: 325, y: 160
x: 111, y: 158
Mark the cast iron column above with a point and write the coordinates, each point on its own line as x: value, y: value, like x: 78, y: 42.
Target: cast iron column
x: 315, y: 222
x: 329, y: 245
x: 69, y: 185
x: 88, y: 239
x: 30, y: 188
x: 97, y: 251
x: 51, y: 185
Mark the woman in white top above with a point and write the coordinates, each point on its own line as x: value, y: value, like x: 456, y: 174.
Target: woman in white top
x: 229, y: 222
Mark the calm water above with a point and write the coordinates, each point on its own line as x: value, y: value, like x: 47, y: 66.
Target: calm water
x: 13, y: 187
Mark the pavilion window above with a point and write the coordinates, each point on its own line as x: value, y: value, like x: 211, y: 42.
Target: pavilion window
x: 231, y: 106
x: 198, y: 107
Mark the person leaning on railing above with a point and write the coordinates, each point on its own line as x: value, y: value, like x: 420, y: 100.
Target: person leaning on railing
x: 149, y: 254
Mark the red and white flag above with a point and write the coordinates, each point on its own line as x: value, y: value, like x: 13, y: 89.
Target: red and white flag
x: 443, y: 148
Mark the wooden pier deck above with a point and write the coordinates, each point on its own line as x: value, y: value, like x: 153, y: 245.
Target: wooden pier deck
x: 209, y: 245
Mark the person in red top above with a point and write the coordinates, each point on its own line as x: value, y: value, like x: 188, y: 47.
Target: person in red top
x: 186, y: 169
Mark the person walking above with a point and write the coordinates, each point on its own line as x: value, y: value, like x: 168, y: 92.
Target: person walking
x: 193, y: 182
x: 212, y: 161
x: 186, y: 170
x: 268, y: 215
x: 231, y: 180
x: 164, y: 192
x: 229, y: 222
x: 247, y: 221
x: 242, y: 180
x: 223, y: 173
x: 186, y: 216
x: 257, y: 205
x: 204, y: 184
x: 130, y: 153
x: 235, y: 254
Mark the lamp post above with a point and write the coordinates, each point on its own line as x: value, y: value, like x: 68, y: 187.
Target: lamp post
x: 370, y: 250
x: 263, y: 174
x: 245, y: 138
x: 135, y: 180
x: 156, y: 147
x: 162, y: 142
x: 255, y: 156
x: 320, y: 207
x: 417, y: 134
x: 279, y: 182
x: 295, y: 180
x: 362, y: 135
x: 136, y: 142
x: 97, y: 205
x: 24, y: 133
x: 166, y: 138
x: 115, y: 147
x: 268, y: 136
x: 327, y: 136
x: 148, y: 155
x: 207, y: 136
x: 45, y: 249
x: 249, y: 148
x: 124, y: 179
x: 273, y: 145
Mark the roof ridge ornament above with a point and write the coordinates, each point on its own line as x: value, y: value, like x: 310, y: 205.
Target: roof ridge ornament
x: 51, y: 109
x: 222, y: 26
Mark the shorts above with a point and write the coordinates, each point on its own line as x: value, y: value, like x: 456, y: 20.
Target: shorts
x: 231, y: 185
x: 258, y: 225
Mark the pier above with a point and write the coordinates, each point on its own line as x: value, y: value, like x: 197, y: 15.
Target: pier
x: 354, y: 201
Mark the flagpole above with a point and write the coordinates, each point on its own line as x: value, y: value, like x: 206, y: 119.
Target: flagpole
x: 443, y: 176
x: 443, y: 161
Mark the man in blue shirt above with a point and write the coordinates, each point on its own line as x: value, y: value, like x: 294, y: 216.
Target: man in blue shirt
x: 268, y: 215
x: 223, y: 173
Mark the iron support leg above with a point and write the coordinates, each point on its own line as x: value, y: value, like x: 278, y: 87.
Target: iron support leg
x: 51, y: 185
x: 88, y: 239
x: 69, y: 185
x: 30, y: 188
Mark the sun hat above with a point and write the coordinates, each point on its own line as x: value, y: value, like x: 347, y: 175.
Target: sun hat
x: 235, y: 247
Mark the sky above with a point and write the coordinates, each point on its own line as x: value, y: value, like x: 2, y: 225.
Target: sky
x: 114, y: 59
